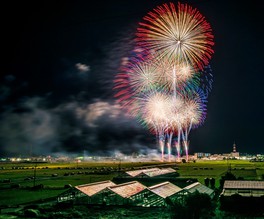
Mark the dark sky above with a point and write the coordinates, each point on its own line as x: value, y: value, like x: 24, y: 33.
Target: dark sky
x: 59, y: 59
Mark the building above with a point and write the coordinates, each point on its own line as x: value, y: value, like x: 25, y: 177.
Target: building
x: 234, y: 153
x: 157, y: 172
x: 85, y: 193
x: 243, y: 196
x: 134, y: 173
x: 199, y: 188
x: 130, y: 193
x: 244, y: 188
x: 152, y: 172
x: 200, y: 155
x: 161, y: 192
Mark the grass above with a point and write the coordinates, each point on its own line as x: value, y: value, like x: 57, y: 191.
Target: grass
x: 83, y: 173
x: 22, y: 196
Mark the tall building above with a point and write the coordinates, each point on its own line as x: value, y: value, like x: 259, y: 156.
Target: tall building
x: 234, y: 153
x: 234, y: 147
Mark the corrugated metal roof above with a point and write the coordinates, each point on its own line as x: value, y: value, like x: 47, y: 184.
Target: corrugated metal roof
x: 127, y: 189
x: 134, y: 173
x: 93, y: 188
x: 165, y: 189
x: 243, y: 184
x: 200, y: 188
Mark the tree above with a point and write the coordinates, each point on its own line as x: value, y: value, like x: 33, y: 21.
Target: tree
x: 179, y: 210
x: 227, y: 176
x: 212, y: 182
x: 196, y: 203
x: 206, y: 181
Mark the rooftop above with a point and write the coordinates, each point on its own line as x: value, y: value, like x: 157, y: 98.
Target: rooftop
x: 199, y: 187
x: 159, y: 172
x: 134, y: 173
x: 243, y: 184
x: 151, y: 172
x: 93, y: 188
x: 127, y: 189
x: 165, y: 189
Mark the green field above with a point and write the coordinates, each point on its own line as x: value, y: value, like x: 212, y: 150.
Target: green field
x: 54, y: 176
x: 215, y: 169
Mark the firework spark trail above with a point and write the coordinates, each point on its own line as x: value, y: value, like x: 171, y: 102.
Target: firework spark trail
x: 206, y: 80
x: 161, y: 144
x: 169, y: 144
x: 178, y: 144
x: 185, y: 143
x: 195, y: 113
x: 156, y: 110
x: 177, y: 119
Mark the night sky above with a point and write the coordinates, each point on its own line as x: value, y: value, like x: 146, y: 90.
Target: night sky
x: 58, y: 63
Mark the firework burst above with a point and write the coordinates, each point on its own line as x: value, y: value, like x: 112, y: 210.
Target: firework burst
x: 174, y: 76
x: 180, y: 33
x: 143, y: 75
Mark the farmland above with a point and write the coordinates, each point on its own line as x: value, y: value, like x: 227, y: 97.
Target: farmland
x: 17, y: 179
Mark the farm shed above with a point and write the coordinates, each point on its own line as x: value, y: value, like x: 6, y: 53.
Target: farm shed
x: 200, y: 188
x: 85, y: 193
x: 160, y: 192
x: 244, y: 188
x: 123, y: 194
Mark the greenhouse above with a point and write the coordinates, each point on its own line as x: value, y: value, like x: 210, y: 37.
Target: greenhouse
x: 152, y: 172
x: 156, y: 173
x: 85, y: 193
x: 162, y: 192
x: 130, y: 193
x: 134, y: 173
x: 123, y: 194
x: 200, y: 188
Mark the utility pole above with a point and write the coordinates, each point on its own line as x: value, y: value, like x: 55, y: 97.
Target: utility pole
x: 119, y: 165
x: 34, y: 177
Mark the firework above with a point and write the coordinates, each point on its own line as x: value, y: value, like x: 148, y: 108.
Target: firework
x: 165, y: 84
x: 194, y: 115
x: 174, y: 76
x: 156, y: 107
x: 143, y: 75
x: 206, y: 80
x: 123, y: 91
x: 180, y: 33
